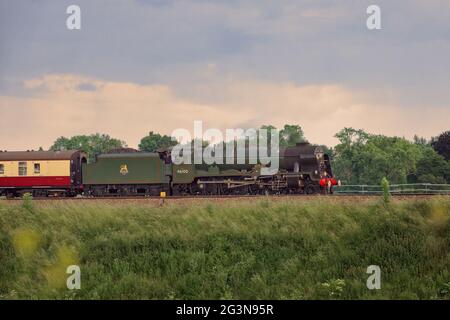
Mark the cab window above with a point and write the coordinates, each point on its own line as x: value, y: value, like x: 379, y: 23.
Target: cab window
x: 22, y: 168
x: 2, y: 169
x: 37, y: 168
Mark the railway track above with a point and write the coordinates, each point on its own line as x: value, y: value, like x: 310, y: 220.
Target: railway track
x: 225, y: 197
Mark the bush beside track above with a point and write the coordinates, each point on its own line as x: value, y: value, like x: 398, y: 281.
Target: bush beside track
x: 263, y: 249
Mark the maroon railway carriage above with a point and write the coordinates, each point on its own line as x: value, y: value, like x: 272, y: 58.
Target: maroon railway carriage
x: 41, y: 173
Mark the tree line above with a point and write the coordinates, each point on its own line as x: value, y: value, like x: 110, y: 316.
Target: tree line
x: 358, y: 158
x: 362, y: 158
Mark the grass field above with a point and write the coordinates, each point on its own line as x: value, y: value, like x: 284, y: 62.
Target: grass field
x: 247, y: 249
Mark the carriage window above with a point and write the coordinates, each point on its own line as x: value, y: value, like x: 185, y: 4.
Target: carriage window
x: 22, y: 168
x: 2, y: 169
x: 37, y: 168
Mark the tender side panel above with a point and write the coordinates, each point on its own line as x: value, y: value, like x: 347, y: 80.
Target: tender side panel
x: 145, y: 170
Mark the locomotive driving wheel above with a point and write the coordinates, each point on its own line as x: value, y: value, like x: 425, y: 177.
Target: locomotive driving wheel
x: 310, y: 188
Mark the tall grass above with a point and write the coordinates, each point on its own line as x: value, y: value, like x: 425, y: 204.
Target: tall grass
x: 260, y: 250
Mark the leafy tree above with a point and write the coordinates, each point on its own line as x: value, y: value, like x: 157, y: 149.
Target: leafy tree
x: 420, y: 140
x: 91, y: 144
x: 432, y: 167
x: 155, y: 141
x: 327, y: 150
x: 346, y: 165
x: 429, y: 178
x: 204, y: 143
x: 441, y: 144
x: 349, y: 137
x: 362, y: 158
x: 269, y: 129
x: 290, y: 135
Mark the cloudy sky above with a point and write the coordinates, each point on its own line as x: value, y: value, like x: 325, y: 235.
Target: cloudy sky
x: 158, y: 65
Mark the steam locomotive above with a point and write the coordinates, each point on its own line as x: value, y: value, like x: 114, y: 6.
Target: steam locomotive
x: 303, y: 169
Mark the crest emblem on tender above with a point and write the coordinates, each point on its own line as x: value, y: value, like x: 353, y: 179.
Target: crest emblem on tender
x: 123, y: 169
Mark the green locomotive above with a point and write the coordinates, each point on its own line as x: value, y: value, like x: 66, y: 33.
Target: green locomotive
x: 303, y: 168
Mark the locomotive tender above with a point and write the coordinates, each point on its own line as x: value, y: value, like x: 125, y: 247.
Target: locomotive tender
x: 303, y: 168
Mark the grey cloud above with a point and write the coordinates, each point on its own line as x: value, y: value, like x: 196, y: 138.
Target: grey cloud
x: 87, y: 87
x: 173, y: 42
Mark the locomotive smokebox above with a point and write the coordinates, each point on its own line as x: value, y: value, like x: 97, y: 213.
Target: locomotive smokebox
x: 301, y: 157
